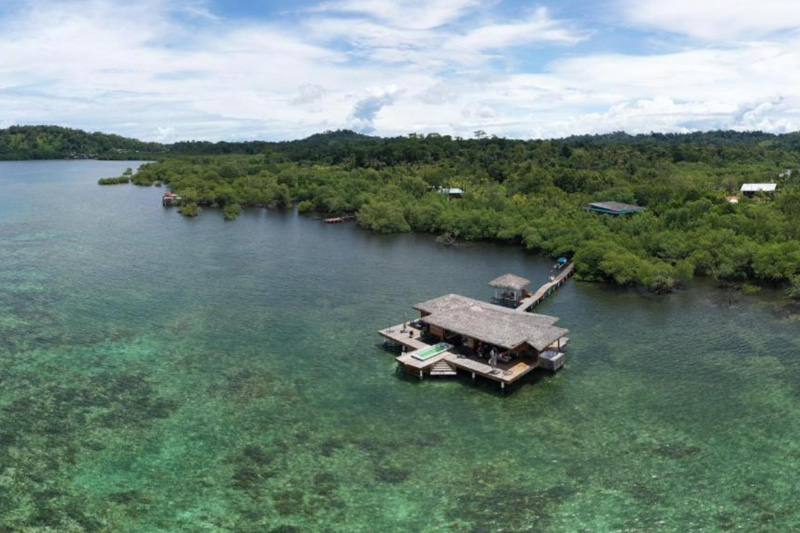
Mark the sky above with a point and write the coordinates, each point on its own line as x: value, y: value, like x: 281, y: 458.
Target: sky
x: 168, y: 70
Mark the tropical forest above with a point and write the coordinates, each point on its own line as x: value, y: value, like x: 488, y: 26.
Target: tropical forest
x: 533, y: 193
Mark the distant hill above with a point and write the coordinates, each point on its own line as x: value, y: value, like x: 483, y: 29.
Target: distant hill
x: 318, y: 146
x: 55, y: 142
x: 333, y: 147
x: 709, y: 138
x: 336, y: 136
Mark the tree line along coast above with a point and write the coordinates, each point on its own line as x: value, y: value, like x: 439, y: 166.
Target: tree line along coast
x: 534, y: 193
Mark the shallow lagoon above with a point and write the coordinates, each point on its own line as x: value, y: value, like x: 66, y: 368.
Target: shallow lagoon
x: 165, y: 374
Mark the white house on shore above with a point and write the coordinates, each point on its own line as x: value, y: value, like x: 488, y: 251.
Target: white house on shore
x: 750, y: 189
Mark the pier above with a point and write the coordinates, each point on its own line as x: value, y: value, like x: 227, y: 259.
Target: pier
x: 339, y: 220
x: 547, y: 289
x: 501, y: 343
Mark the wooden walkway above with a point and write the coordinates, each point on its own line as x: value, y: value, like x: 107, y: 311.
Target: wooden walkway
x: 546, y: 290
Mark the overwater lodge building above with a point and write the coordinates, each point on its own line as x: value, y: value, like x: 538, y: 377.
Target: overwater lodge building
x: 456, y: 333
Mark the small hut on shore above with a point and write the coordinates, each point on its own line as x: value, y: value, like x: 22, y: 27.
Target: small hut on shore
x: 169, y: 199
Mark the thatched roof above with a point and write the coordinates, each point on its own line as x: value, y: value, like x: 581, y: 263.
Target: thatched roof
x: 446, y: 303
x: 450, y: 302
x: 497, y: 325
x: 510, y: 281
x: 491, y: 323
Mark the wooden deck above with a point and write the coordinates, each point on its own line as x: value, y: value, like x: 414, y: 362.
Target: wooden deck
x: 408, y: 338
x: 546, y: 290
x: 505, y: 373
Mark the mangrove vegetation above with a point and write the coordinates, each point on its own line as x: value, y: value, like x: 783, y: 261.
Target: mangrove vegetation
x: 535, y: 193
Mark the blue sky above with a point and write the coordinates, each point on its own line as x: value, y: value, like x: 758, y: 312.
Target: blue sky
x: 243, y: 69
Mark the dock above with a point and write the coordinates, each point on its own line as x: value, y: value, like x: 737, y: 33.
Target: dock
x: 546, y: 290
x: 404, y: 335
x: 449, y: 362
x: 339, y: 220
x: 503, y: 373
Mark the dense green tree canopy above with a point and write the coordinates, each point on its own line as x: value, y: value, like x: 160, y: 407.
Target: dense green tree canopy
x: 53, y: 142
x: 529, y: 192
x: 535, y: 194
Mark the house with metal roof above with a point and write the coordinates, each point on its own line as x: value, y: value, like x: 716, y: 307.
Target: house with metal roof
x: 614, y: 208
x: 750, y: 189
x: 452, y: 192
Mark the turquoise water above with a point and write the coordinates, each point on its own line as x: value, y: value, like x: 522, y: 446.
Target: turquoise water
x: 159, y: 373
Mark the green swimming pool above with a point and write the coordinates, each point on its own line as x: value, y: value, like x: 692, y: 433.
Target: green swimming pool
x: 433, y: 351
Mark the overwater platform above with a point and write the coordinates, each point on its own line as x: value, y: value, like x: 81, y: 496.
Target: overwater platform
x: 459, y: 334
x: 404, y: 335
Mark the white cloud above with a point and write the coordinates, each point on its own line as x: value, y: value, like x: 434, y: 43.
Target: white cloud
x: 168, y: 69
x: 165, y: 134
x: 201, y: 13
x: 715, y: 19
x: 539, y: 28
x: 366, y: 109
x: 780, y: 115
x: 438, y: 48
x: 754, y: 70
x: 308, y: 93
x: 410, y: 14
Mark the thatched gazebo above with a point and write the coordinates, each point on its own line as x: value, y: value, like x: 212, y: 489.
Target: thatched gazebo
x: 509, y: 288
